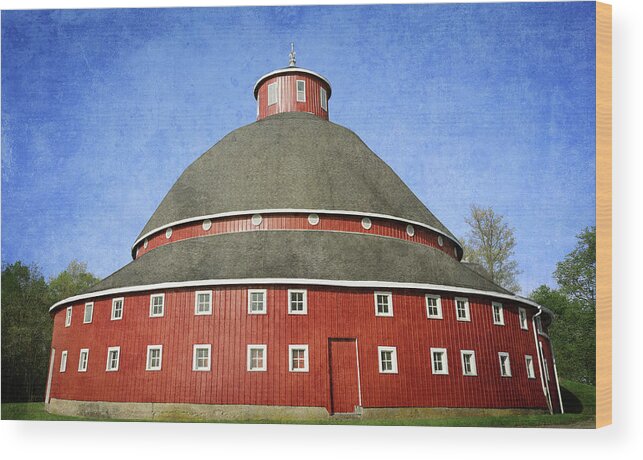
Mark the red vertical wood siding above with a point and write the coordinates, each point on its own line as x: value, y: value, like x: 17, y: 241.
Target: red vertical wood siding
x: 344, y: 391
x: 332, y: 313
x: 287, y: 95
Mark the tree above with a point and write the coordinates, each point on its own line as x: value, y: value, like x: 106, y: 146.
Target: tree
x: 71, y: 281
x: 576, y: 274
x: 490, y: 243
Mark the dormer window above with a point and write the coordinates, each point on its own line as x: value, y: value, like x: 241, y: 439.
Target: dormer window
x: 323, y: 99
x: 272, y: 93
x: 301, y: 91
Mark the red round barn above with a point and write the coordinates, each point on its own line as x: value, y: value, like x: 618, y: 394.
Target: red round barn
x: 290, y: 271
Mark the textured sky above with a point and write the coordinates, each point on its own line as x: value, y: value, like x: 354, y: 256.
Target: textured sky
x: 102, y: 110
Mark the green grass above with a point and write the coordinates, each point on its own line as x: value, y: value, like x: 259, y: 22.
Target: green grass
x: 579, y: 401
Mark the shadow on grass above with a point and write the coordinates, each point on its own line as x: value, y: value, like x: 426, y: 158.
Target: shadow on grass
x: 571, y: 402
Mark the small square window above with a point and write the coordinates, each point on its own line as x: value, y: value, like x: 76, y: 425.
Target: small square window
x: 89, y: 313
x: 462, y: 309
x: 383, y: 304
x: 323, y: 99
x: 297, y: 302
x: 117, y: 308
x: 522, y: 315
x: 63, y: 361
x: 68, y: 317
x: 387, y: 359
x: 203, y: 303
x: 298, y: 358
x: 505, y: 366
x: 257, y: 358
x: 257, y: 302
x: 498, y: 314
x: 154, y: 357
x: 273, y: 89
x: 468, y: 362
x: 433, y: 306
x: 439, y: 361
x: 201, y: 357
x: 113, y: 356
x: 83, y: 360
x: 301, y: 91
x: 157, y: 305
x: 529, y: 362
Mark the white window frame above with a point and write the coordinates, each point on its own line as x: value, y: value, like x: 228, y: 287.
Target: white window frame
x: 157, y: 315
x: 265, y: 301
x: 445, y: 362
x: 393, y: 351
x: 303, y: 93
x: 522, y: 315
x: 291, y: 349
x: 529, y: 364
x: 539, y: 325
x: 109, y: 368
x: 323, y: 99
x: 201, y: 346
x: 500, y: 321
x: 148, y: 364
x: 474, y: 367
x: 196, y: 303
x: 91, y: 313
x: 68, y: 313
x: 264, y: 350
x: 389, y: 296
x: 275, y: 93
x: 114, y: 302
x: 438, y: 306
x: 304, y: 311
x: 63, y: 361
x: 82, y: 368
x: 467, y: 308
x: 502, y: 354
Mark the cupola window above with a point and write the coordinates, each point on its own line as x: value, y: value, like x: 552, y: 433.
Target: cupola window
x: 323, y: 99
x: 301, y: 91
x: 272, y: 93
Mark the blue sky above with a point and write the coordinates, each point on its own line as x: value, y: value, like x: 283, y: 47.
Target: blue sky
x: 102, y: 110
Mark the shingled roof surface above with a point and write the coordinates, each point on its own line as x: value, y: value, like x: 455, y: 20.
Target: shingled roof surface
x: 290, y: 161
x: 319, y: 255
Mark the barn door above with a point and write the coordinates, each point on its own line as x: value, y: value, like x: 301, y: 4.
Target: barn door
x: 344, y: 375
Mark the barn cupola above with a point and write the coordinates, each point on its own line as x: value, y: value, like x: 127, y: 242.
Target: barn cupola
x: 292, y: 89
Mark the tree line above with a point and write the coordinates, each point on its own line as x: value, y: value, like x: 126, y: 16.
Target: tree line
x: 27, y: 324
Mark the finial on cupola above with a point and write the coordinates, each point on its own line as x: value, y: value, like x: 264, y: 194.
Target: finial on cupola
x: 292, y: 55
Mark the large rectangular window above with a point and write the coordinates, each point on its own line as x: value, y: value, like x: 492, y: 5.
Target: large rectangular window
x: 468, y: 362
x: 383, y: 304
x: 89, y: 312
x: 257, y: 304
x: 273, y: 89
x: 387, y: 360
x: 113, y: 357
x: 498, y: 314
x: 154, y: 357
x: 298, y: 358
x: 157, y: 305
x: 83, y: 360
x: 117, y: 308
x: 522, y: 315
x: 257, y: 358
x: 529, y: 362
x: 323, y: 99
x: 63, y: 361
x: 201, y: 357
x: 462, y: 309
x: 505, y: 366
x: 439, y: 361
x: 68, y: 316
x: 203, y: 303
x: 433, y: 306
x: 301, y: 91
x: 297, y: 302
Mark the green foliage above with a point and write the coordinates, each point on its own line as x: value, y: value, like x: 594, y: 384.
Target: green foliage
x: 491, y: 243
x: 26, y: 325
x: 576, y: 274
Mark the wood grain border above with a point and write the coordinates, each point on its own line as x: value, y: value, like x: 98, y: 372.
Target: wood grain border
x: 603, y: 214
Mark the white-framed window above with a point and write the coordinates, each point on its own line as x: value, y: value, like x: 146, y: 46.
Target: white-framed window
x: 89, y: 313
x: 539, y: 325
x: 388, y: 360
x: 257, y: 302
x: 297, y: 302
x: 433, y: 306
x: 203, y: 303
x: 257, y: 358
x: 63, y: 361
x: 83, y: 360
x: 383, y: 304
x: 201, y: 357
x: 546, y: 369
x: 301, y: 91
x: 439, y: 361
x: 498, y: 314
x: 113, y: 357
x: 462, y: 312
x: 298, y: 358
x: 323, y: 99
x: 154, y: 358
x: 522, y: 316
x: 157, y: 305
x: 529, y: 363
x: 468, y: 358
x: 273, y: 90
x: 505, y: 365
x: 68, y: 316
x: 117, y: 308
